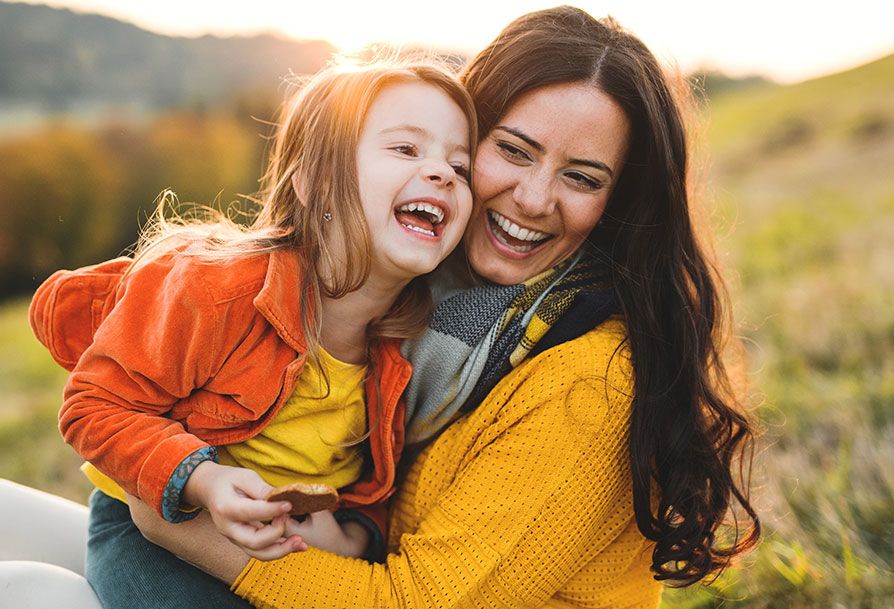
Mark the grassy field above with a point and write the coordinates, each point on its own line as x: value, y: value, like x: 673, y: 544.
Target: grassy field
x: 802, y: 182
x: 31, y: 450
x: 800, y: 189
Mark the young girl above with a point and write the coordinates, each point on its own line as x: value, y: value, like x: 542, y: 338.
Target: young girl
x: 272, y: 348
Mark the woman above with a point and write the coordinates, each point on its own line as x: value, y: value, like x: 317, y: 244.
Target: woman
x: 601, y: 464
x: 602, y: 461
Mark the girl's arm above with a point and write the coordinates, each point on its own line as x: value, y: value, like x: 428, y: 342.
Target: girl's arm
x: 162, y: 341
x: 155, y: 347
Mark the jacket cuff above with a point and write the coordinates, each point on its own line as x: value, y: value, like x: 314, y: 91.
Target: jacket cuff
x: 171, y: 509
x: 375, y: 549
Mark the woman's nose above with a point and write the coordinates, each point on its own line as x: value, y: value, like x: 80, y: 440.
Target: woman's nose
x: 534, y: 195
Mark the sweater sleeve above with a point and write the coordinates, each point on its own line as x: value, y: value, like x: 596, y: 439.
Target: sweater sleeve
x: 545, y: 488
x: 154, y: 348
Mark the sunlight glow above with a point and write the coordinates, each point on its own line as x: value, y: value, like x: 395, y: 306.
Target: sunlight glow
x: 786, y: 40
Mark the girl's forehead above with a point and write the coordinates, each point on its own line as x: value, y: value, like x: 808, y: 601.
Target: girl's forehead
x: 417, y: 109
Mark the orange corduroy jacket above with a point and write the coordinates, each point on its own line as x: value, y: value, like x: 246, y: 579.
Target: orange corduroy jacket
x: 184, y: 353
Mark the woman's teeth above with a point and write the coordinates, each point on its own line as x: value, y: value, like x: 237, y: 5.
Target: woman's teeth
x: 516, y: 232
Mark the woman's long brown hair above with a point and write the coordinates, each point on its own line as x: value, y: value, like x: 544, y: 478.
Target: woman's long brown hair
x: 690, y: 442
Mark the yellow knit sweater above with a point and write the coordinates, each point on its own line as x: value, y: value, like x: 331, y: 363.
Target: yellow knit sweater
x: 525, y: 502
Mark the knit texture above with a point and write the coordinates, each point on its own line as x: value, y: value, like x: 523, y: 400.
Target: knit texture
x: 479, y: 332
x: 524, y: 502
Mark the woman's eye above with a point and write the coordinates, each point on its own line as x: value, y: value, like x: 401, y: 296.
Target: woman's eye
x: 583, y: 181
x: 462, y: 171
x: 406, y: 149
x: 513, y: 152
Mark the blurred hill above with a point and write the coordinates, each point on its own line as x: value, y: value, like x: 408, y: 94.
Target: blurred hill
x: 58, y: 60
x: 802, y: 175
x: 712, y: 83
x: 74, y: 191
x: 98, y: 116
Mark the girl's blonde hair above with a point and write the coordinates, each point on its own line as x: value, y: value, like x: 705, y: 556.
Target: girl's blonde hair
x: 315, y: 146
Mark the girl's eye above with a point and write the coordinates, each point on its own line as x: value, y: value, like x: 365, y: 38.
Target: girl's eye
x: 462, y: 171
x: 583, y: 181
x: 406, y: 149
x: 513, y: 152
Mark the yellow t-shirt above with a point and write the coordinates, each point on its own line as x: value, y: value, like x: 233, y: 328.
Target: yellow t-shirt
x: 313, y: 439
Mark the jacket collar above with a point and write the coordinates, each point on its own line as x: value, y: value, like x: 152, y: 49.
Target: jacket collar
x: 279, y: 300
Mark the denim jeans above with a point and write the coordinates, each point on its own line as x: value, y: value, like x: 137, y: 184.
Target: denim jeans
x: 129, y: 572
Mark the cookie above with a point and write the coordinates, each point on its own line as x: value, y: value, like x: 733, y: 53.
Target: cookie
x: 305, y: 498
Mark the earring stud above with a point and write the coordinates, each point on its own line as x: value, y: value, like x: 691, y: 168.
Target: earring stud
x: 327, y: 216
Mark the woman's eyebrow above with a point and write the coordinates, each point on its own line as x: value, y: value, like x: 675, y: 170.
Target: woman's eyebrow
x: 522, y: 136
x: 594, y: 164
x: 539, y: 148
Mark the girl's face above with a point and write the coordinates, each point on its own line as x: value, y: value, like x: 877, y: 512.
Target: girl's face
x: 413, y: 166
x: 543, y: 176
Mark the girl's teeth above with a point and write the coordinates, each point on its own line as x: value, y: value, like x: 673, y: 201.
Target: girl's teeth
x: 418, y: 229
x: 436, y: 212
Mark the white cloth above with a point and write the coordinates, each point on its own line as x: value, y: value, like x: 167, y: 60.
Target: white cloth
x: 43, y: 542
x: 39, y: 585
x: 38, y: 526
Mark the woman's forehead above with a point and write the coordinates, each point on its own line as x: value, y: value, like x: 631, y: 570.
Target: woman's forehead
x: 574, y: 120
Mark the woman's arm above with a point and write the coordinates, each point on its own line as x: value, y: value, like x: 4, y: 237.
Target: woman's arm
x: 320, y: 530
x: 197, y: 541
x: 532, y: 503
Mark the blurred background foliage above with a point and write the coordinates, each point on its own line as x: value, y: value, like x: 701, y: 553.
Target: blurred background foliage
x: 797, y: 182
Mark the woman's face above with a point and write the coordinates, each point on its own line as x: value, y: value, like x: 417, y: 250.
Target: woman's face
x: 542, y: 178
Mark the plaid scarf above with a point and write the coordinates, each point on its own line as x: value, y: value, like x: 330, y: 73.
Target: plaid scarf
x: 479, y: 333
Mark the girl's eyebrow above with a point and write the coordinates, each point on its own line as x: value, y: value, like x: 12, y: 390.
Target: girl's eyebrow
x: 420, y: 131
x: 406, y: 127
x: 539, y: 148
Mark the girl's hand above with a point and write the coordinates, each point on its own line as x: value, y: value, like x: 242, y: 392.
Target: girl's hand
x: 234, y: 497
x: 321, y: 530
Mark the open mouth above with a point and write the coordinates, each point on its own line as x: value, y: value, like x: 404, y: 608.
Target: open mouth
x: 421, y: 217
x: 512, y: 235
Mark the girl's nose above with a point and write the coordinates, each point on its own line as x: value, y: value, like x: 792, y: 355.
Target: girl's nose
x: 439, y: 172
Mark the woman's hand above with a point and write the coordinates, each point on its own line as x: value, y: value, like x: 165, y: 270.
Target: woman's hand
x: 322, y: 531
x: 234, y: 497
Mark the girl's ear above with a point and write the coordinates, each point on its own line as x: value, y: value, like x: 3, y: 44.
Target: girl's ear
x: 299, y: 189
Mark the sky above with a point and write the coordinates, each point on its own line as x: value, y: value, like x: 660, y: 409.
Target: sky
x: 787, y: 40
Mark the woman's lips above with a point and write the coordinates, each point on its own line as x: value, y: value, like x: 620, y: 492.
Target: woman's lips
x: 520, y: 246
